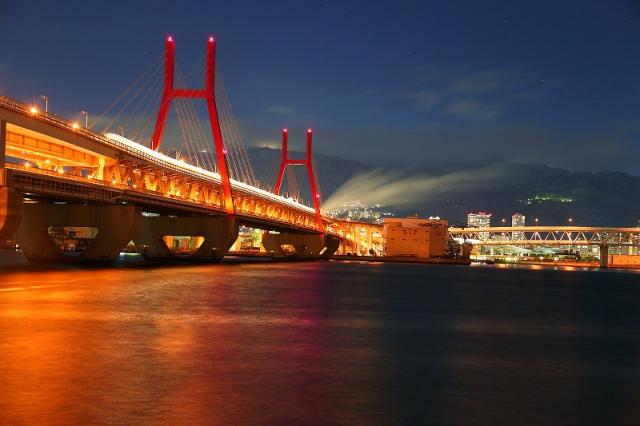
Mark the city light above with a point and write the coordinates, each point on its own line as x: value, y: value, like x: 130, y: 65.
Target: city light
x: 34, y: 110
x: 75, y: 125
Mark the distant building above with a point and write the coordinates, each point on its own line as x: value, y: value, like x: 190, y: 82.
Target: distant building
x: 518, y: 220
x: 479, y: 220
x: 415, y: 237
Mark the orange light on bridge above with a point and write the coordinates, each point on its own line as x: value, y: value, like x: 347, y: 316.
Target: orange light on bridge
x: 75, y: 125
x: 34, y: 110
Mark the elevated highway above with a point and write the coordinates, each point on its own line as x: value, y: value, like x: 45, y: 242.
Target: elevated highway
x: 550, y: 236
x: 57, y: 175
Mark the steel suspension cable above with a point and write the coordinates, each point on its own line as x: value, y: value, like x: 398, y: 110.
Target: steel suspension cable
x: 150, y: 68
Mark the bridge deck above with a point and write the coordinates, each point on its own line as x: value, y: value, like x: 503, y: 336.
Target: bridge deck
x: 49, y: 156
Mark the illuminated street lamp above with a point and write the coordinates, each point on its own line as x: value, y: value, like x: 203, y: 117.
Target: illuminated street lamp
x: 536, y: 221
x: 45, y: 98
x: 86, y: 118
x: 570, y: 221
x: 33, y: 110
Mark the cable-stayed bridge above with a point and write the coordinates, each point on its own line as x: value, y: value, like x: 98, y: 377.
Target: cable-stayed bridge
x: 73, y: 190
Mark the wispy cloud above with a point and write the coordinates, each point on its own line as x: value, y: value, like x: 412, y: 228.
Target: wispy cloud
x: 393, y: 189
x: 483, y: 95
x: 473, y: 108
x: 280, y: 109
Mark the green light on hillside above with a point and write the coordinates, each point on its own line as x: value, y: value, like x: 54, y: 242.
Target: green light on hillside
x: 546, y: 198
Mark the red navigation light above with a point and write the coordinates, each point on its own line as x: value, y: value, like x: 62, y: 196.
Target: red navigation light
x: 211, y: 39
x: 169, y: 38
x: 308, y: 130
x: 285, y: 130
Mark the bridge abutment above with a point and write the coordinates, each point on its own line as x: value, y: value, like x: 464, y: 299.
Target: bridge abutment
x: 10, y: 211
x: 191, y: 238
x: 301, y: 245
x: 74, y: 232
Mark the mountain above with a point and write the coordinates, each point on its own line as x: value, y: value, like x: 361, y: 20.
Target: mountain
x: 551, y: 194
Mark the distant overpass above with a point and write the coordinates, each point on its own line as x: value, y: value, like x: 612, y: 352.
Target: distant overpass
x: 550, y: 236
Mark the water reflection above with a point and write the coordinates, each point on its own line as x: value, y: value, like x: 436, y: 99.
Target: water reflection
x: 318, y: 343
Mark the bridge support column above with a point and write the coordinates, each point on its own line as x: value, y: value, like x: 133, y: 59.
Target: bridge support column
x: 10, y: 210
x: 76, y: 233
x: 214, y: 234
x: 302, y: 245
x: 604, y: 256
x: 3, y: 142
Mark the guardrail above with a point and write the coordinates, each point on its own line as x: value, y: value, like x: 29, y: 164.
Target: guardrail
x: 67, y: 125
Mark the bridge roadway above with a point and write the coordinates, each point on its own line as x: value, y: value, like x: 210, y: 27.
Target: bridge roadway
x: 55, y: 174
x: 550, y: 236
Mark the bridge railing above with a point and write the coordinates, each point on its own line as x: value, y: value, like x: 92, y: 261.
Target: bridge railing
x: 548, y: 235
x: 69, y: 126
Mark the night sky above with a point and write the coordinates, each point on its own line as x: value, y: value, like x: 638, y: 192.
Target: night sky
x: 411, y: 84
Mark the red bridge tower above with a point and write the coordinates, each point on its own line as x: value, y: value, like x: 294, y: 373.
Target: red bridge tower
x: 207, y: 93
x: 286, y: 161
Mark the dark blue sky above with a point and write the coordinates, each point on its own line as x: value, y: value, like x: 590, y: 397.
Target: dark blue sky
x: 411, y: 83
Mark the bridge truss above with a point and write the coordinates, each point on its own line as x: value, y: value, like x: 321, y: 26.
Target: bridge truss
x: 548, y: 236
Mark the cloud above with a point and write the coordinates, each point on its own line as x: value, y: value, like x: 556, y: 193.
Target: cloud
x: 482, y: 83
x: 483, y: 95
x: 474, y: 109
x: 280, y: 109
x: 427, y: 99
x: 398, y: 190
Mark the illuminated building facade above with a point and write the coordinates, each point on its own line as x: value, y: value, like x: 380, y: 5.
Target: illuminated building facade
x: 518, y: 219
x: 479, y: 220
x: 415, y: 237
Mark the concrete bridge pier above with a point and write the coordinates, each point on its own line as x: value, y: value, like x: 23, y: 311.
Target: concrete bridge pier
x: 10, y: 212
x: 205, y: 238
x: 75, y: 233
x: 604, y: 255
x: 300, y: 245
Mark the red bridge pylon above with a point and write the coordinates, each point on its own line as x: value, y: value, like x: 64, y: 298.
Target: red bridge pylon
x: 207, y: 93
x: 308, y: 163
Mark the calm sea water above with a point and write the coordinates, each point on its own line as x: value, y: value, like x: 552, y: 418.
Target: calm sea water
x: 319, y: 343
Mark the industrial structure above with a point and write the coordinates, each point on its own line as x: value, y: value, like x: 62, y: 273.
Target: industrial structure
x: 415, y: 237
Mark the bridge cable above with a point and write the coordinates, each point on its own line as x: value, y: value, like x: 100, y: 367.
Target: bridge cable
x: 145, y: 83
x: 151, y: 67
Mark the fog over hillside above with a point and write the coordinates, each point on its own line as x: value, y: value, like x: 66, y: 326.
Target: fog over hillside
x: 551, y: 194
